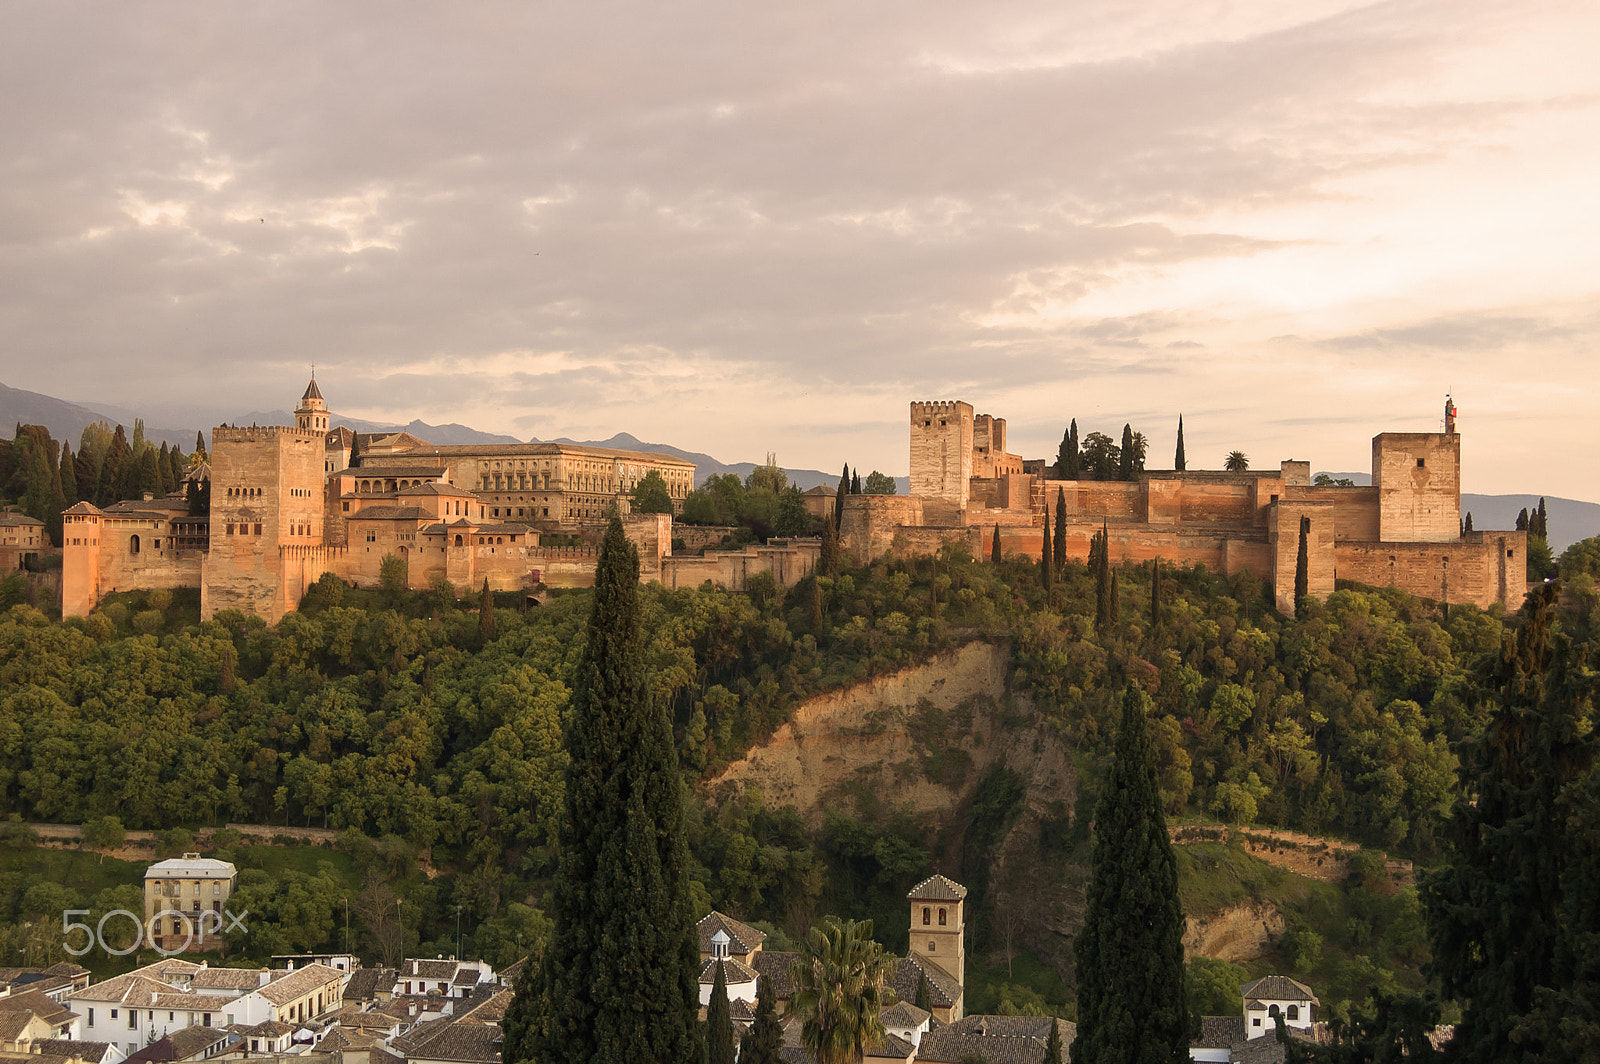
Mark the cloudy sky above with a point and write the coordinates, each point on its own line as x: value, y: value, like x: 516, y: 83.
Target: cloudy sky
x: 753, y: 227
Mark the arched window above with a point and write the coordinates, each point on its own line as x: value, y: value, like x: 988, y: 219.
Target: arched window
x: 927, y: 915
x: 941, y: 917
x: 133, y: 544
x: 1294, y: 1012
x: 931, y: 945
x: 458, y: 541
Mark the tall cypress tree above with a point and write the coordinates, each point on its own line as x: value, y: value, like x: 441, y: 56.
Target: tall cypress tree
x: 1466, y: 525
x: 1130, y: 952
x: 622, y: 966
x: 164, y: 468
x: 1128, y: 454
x: 1498, y: 914
x: 994, y: 550
x: 1063, y: 461
x: 1544, y: 521
x: 838, y: 496
x: 1179, y: 462
x: 1302, y: 566
x: 764, y: 1043
x: 1052, y: 1045
x: 69, y: 475
x: 114, y: 470
x: 1116, y: 600
x: 1074, y: 454
x: 1522, y: 519
x: 1155, y: 595
x: 719, y: 1022
x: 1102, y: 581
x: 355, y: 450
x: 828, y: 558
x: 855, y: 482
x: 1058, y: 553
x: 523, y: 1017
x: 200, y: 444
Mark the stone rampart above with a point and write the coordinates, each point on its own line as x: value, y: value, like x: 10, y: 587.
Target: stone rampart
x: 868, y: 524
x: 1480, y: 568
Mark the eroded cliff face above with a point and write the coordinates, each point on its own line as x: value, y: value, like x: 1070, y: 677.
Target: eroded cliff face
x: 1233, y: 933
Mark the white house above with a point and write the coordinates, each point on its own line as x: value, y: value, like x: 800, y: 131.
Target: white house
x: 1294, y: 1000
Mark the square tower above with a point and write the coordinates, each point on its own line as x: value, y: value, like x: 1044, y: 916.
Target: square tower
x: 941, y: 451
x: 1418, y: 477
x: 938, y: 924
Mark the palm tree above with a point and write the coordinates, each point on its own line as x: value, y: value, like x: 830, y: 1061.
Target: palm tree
x: 840, y: 981
x: 1238, y: 462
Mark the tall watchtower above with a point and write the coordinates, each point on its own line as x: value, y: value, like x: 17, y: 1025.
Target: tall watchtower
x: 938, y: 924
x: 266, y: 495
x: 1418, y: 477
x: 941, y: 451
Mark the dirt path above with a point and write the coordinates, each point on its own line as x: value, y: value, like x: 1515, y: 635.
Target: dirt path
x: 141, y: 845
x: 1312, y: 856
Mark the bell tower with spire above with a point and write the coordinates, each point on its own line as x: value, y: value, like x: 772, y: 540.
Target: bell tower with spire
x: 312, y: 413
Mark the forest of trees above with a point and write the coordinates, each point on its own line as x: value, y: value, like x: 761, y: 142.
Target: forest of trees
x: 405, y: 720
x: 42, y: 476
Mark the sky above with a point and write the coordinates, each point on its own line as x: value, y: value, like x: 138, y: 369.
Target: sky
x: 748, y: 228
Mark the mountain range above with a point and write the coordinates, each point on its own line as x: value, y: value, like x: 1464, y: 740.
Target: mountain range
x: 1570, y: 519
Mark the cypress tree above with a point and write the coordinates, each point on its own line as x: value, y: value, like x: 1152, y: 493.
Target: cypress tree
x: 1125, y: 466
x: 838, y: 496
x: 1102, y: 582
x: 164, y: 468
x: 816, y: 610
x: 200, y: 444
x: 1499, y: 914
x: 1522, y: 520
x: 1466, y: 526
x: 1179, y: 462
x: 622, y: 966
x: 1062, y: 459
x: 355, y: 450
x: 149, y: 475
x: 828, y: 558
x: 1302, y: 566
x: 86, y: 472
x: 1046, y: 568
x: 114, y: 469
x: 1544, y: 521
x: 719, y: 1023
x: 1058, y: 554
x: 522, y: 1018
x: 994, y: 551
x: 486, y: 624
x: 1116, y: 600
x: 764, y: 1043
x: 69, y: 475
x: 1052, y: 1045
x: 179, y: 466
x: 1131, y: 1006
x: 924, y: 999
x: 1074, y: 454
x: 855, y: 482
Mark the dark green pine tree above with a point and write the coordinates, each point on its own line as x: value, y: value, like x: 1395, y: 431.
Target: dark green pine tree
x: 1052, y: 1045
x: 149, y: 475
x: 1543, y: 527
x: 1179, y: 462
x: 86, y: 469
x: 177, y: 467
x: 622, y: 966
x: 855, y: 482
x: 828, y: 557
x: 1130, y: 952
x: 1074, y: 454
x: 486, y: 623
x: 1466, y: 526
x: 764, y: 1043
x: 1047, y: 569
x: 924, y: 999
x: 1128, y: 454
x: 1302, y: 566
x: 1497, y: 913
x: 1116, y: 600
x: 200, y: 445
x: 116, y: 470
x: 994, y: 549
x: 1058, y: 550
x: 1522, y: 520
x: 838, y: 496
x: 719, y: 1023
x: 355, y: 450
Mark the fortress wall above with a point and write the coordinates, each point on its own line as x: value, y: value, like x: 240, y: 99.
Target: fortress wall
x: 869, y: 522
x: 698, y: 537
x: 1321, y: 535
x: 1481, y: 568
x: 1355, y: 510
x: 915, y: 542
x: 733, y: 569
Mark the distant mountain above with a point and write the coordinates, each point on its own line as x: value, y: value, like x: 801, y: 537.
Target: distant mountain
x: 1570, y: 519
x: 446, y: 435
x: 66, y: 421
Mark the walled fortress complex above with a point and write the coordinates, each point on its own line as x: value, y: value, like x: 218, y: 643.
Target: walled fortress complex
x: 288, y: 506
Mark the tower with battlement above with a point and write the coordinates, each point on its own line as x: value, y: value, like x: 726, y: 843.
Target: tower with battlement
x: 941, y: 451
x: 266, y: 494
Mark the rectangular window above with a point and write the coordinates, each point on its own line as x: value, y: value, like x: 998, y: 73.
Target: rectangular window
x: 91, y: 1017
x: 205, y: 1018
x: 113, y: 1014
x: 133, y: 1020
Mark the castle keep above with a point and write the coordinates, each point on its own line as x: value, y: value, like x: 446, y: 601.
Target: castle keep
x: 1403, y: 531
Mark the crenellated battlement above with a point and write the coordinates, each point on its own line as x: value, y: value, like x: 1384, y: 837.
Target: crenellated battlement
x: 259, y: 433
x: 937, y: 408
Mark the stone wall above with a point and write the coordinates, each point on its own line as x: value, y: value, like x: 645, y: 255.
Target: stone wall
x: 733, y: 569
x: 1318, y: 518
x: 1481, y: 567
x: 869, y: 522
